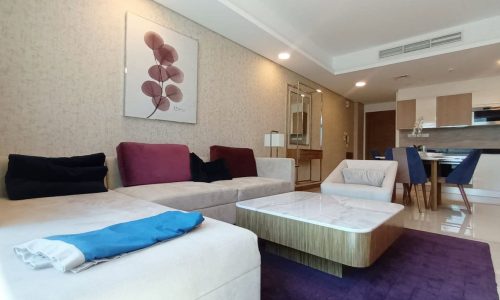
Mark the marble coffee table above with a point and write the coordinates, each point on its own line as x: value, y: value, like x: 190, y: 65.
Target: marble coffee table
x: 323, y: 232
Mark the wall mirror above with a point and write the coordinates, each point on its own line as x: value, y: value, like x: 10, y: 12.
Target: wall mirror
x: 300, y: 117
x: 304, y: 117
x: 304, y: 133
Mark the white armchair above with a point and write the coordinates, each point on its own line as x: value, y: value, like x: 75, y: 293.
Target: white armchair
x: 334, y: 184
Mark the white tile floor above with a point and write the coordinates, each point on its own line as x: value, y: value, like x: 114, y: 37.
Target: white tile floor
x: 453, y: 219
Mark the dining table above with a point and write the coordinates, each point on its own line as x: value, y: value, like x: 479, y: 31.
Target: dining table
x: 435, y: 160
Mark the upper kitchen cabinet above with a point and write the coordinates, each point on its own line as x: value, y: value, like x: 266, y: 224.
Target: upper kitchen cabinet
x: 405, y: 114
x: 454, y: 110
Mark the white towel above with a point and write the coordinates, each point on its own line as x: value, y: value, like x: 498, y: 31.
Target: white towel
x: 42, y: 253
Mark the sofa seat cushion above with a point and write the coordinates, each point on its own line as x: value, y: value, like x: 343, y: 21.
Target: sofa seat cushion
x: 256, y: 187
x: 357, y: 191
x: 186, y: 195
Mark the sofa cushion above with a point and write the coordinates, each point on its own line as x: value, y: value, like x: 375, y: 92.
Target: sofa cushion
x: 208, y: 171
x: 19, y: 189
x: 373, y: 177
x: 187, y: 195
x: 239, y: 161
x: 255, y: 187
x: 35, y: 177
x: 152, y: 163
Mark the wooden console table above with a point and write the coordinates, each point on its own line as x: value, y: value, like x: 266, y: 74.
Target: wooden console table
x: 305, y: 156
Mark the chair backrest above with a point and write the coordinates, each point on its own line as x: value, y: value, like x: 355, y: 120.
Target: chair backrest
x: 388, y: 154
x: 415, y: 166
x: 464, y: 171
x: 399, y: 155
x: 410, y: 165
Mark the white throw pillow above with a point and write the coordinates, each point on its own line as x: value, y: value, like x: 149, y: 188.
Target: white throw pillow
x: 371, y: 177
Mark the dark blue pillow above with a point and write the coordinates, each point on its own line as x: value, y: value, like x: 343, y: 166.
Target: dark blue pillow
x: 34, y: 177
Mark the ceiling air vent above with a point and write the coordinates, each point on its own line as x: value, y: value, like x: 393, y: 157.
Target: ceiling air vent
x: 446, y: 39
x: 417, y: 46
x: 391, y: 52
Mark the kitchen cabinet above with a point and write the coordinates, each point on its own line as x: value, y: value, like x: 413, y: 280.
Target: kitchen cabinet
x: 405, y: 114
x: 454, y: 110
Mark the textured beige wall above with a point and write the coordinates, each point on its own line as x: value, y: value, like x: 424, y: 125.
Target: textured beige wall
x: 359, y: 126
x: 62, y: 84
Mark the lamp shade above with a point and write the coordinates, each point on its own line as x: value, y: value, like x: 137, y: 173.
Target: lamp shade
x: 274, y: 140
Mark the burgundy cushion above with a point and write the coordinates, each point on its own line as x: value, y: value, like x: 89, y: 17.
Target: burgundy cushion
x: 152, y: 163
x: 239, y: 161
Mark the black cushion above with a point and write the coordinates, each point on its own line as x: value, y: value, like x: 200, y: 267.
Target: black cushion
x: 20, y: 188
x: 91, y: 160
x: 34, y: 176
x: 208, y: 172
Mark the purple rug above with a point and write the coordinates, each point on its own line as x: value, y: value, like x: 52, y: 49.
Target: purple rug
x: 419, y: 265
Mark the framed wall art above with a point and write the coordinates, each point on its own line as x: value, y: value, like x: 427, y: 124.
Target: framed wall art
x: 161, y: 72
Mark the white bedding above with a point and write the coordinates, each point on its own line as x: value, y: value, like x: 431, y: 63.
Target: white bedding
x: 189, y: 267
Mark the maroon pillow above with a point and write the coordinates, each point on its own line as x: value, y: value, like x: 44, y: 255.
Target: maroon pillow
x: 152, y: 163
x: 239, y: 161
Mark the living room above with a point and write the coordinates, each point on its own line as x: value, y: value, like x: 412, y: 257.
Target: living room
x: 66, y: 67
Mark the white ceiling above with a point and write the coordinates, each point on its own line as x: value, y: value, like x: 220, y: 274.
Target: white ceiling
x: 336, y: 42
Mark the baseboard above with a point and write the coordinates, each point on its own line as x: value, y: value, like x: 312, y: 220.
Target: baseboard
x: 474, y: 195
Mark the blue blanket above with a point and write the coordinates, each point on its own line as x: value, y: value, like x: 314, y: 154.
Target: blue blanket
x: 130, y: 236
x: 78, y: 252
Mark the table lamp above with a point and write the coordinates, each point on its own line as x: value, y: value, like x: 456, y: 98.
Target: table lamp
x: 274, y: 139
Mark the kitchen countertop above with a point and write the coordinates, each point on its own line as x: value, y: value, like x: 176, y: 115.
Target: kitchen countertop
x: 461, y: 151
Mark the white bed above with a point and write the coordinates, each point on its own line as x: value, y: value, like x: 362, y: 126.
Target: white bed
x: 215, y: 261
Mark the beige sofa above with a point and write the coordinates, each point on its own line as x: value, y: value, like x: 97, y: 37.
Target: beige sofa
x: 204, y: 264
x: 217, y: 199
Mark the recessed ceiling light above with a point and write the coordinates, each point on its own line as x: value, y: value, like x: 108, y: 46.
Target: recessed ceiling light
x: 360, y: 83
x: 318, y: 90
x: 498, y: 62
x: 284, y: 55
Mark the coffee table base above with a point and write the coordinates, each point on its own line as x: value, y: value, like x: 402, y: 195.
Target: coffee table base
x: 315, y: 262
x: 321, y: 247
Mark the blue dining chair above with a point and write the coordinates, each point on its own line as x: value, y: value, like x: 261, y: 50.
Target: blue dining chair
x: 411, y: 172
x: 462, y: 174
x: 388, y: 154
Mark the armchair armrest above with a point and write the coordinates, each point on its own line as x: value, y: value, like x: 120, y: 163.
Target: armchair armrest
x: 278, y: 168
x: 336, y: 175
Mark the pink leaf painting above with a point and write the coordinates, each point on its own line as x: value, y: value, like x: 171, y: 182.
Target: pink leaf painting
x: 151, y: 88
x: 173, y: 93
x: 163, y: 71
x: 161, y: 103
x: 175, y: 74
x: 153, y: 40
x: 158, y: 73
x: 166, y: 55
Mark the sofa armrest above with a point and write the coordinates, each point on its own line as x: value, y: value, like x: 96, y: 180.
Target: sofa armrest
x: 336, y: 175
x: 278, y: 168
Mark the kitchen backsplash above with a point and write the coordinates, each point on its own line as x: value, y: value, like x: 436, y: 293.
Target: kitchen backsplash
x: 462, y: 137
